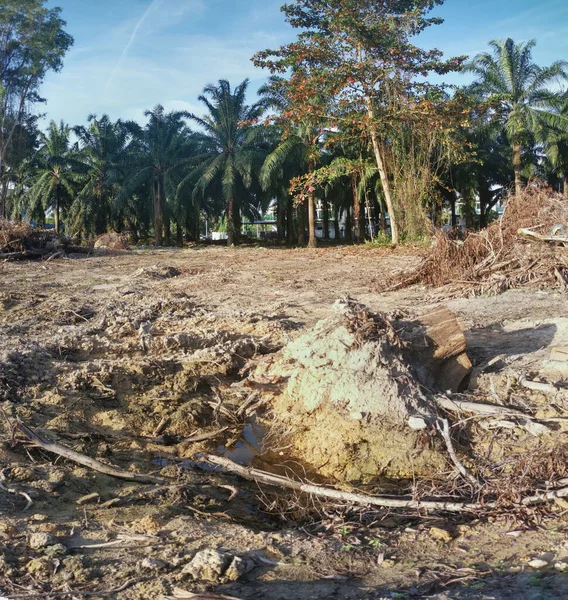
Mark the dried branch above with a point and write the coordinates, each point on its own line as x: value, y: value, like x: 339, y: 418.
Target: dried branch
x: 86, y: 461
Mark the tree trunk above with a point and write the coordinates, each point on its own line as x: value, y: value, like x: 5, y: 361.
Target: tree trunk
x: 369, y: 215
x: 167, y: 229
x: 348, y: 226
x: 566, y: 185
x: 179, y: 234
x: 356, y: 210
x: 290, y: 221
x: 382, y: 173
x: 517, y: 168
x: 56, y: 212
x: 313, y: 241
x: 281, y: 219
x: 158, y: 216
x: 301, y: 224
x: 325, y: 215
x: 484, y: 199
x: 337, y: 233
x: 453, y: 210
x: 231, y: 222
x: 3, y: 198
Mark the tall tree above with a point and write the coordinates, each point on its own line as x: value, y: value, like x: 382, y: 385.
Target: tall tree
x: 102, y: 148
x: 228, y: 148
x: 349, y: 52
x: 32, y: 42
x: 298, y: 151
x: 556, y: 144
x: 157, y: 153
x: 523, y: 99
x: 56, y: 172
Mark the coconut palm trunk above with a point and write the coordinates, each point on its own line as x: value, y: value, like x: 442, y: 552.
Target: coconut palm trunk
x: 231, y: 221
x: 326, y: 219
x: 356, y: 210
x: 56, y: 212
x: 517, y: 167
x: 158, y: 214
x: 313, y: 240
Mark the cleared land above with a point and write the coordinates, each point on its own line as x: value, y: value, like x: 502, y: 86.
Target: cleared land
x: 123, y: 357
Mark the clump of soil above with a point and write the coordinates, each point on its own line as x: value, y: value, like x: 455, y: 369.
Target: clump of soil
x: 352, y: 406
x: 112, y: 241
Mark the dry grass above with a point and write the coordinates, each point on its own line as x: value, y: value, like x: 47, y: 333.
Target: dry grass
x: 497, y: 258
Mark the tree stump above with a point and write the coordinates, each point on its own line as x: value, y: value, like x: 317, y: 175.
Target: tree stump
x: 437, y: 350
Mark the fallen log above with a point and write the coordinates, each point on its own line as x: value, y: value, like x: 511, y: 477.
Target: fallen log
x: 86, y: 461
x: 259, y: 476
x: 264, y: 477
x: 532, y: 235
x: 479, y: 408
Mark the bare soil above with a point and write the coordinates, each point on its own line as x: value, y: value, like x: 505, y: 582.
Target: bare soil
x: 123, y: 357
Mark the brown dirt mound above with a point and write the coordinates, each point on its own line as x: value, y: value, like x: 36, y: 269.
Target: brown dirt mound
x: 112, y: 241
x: 352, y: 406
x: 497, y: 258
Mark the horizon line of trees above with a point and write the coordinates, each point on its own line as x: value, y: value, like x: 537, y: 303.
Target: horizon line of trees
x: 348, y: 120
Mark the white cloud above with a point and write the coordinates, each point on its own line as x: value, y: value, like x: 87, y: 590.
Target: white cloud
x: 148, y: 59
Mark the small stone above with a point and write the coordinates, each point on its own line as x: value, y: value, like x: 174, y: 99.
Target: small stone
x: 561, y: 566
x: 238, y: 568
x: 153, y: 564
x: 37, y: 518
x: 417, y: 423
x: 207, y: 565
x: 56, y: 550
x: 39, y: 567
x: 41, y: 540
x: 538, y: 563
x: 440, y: 534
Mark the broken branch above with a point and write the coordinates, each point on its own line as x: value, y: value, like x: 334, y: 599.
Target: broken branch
x: 86, y: 461
x: 259, y: 476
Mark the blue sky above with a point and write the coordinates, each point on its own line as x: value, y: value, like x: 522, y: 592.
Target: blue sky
x: 130, y: 55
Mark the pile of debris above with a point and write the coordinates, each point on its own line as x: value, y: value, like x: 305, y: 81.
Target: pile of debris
x: 22, y: 241
x: 527, y: 246
x: 353, y: 405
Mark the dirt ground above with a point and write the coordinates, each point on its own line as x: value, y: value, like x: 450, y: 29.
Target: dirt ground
x: 124, y: 357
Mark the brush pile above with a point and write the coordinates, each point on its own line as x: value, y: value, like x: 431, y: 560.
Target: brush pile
x: 527, y: 246
x: 22, y: 241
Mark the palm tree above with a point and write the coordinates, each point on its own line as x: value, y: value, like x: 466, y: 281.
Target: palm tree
x: 521, y: 92
x: 300, y: 150
x: 229, y: 149
x: 56, y: 173
x: 103, y: 145
x: 556, y: 144
x: 158, y: 153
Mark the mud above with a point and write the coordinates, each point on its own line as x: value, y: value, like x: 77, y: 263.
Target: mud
x: 98, y: 353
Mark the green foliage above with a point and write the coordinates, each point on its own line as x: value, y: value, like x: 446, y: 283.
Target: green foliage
x: 522, y: 100
x: 32, y: 42
x: 231, y: 150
